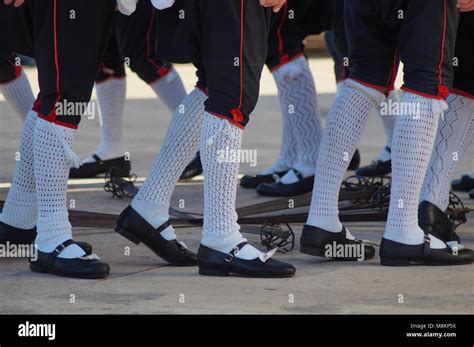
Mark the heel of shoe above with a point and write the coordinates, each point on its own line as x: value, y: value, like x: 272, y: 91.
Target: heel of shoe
x: 129, y: 236
x: 36, y: 268
x: 395, y: 262
x: 213, y: 272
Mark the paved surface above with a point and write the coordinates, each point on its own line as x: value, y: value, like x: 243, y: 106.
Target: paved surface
x: 142, y: 283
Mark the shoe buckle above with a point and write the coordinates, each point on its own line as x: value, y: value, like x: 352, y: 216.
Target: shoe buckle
x: 427, y: 238
x: 276, y: 178
x: 427, y: 245
x: 58, y: 251
x: 229, y: 257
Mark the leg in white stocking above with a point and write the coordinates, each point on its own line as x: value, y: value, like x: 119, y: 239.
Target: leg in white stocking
x: 180, y: 145
x: 20, y: 209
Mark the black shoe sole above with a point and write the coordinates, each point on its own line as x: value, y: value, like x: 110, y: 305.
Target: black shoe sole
x: 39, y: 269
x: 225, y: 273
x: 409, y: 262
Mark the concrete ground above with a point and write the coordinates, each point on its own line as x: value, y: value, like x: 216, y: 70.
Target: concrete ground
x: 142, y: 283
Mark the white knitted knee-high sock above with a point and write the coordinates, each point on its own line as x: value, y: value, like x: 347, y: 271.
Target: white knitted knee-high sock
x: 50, y: 146
x: 346, y: 122
x: 221, y: 231
x: 111, y: 98
x: 20, y: 209
x: 179, y: 146
x: 388, y: 122
x: 19, y: 95
x: 339, y: 88
x: 170, y: 89
x: 412, y: 145
x: 455, y: 134
x: 285, y: 77
x: 299, y: 105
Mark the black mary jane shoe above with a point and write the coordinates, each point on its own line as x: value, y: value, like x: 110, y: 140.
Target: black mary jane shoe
x: 279, y: 189
x: 355, y: 161
x: 193, y: 169
x: 136, y: 229
x: 120, y: 165
x: 397, y: 254
x: 321, y: 243
x: 464, y: 184
x: 377, y: 168
x: 253, y: 181
x: 437, y: 223
x: 86, y: 267
x: 15, y: 236
x: 215, y: 263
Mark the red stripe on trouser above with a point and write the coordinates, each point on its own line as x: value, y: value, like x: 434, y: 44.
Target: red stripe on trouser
x: 393, y: 73
x: 462, y: 93
x: 442, y: 90
x: 237, y: 112
x: 282, y: 56
x: 56, y: 61
x: 51, y: 117
x: 161, y: 70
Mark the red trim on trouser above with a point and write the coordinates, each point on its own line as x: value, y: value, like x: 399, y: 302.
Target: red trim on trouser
x: 16, y: 69
x: 51, y: 117
x: 236, y: 113
x: 17, y: 73
x: 205, y: 91
x: 442, y: 90
x: 237, y: 124
x: 393, y: 74
x: 342, y: 72
x: 437, y: 97
x: 160, y: 70
x: 42, y: 116
x: 462, y: 93
x: 288, y: 60
x: 110, y: 77
x: 56, y: 58
x: 283, y: 58
x: 370, y: 85
x: 164, y: 71
x: 36, y: 108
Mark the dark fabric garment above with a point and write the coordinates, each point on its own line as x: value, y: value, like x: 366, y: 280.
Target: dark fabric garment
x: 69, y: 40
x: 227, y: 40
x: 290, y: 26
x: 464, y: 56
x: 420, y: 33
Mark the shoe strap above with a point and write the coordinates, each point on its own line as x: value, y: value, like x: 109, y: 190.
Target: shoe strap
x: 162, y: 227
x: 97, y: 159
x: 298, y: 174
x: 58, y: 250
x: 276, y: 178
x: 427, y: 246
x: 232, y: 254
